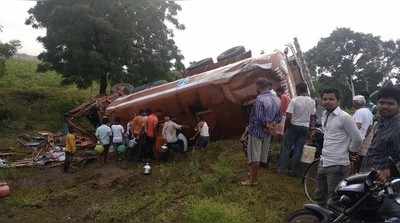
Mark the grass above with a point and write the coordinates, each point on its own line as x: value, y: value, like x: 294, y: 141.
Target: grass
x: 209, y: 210
x: 31, y: 101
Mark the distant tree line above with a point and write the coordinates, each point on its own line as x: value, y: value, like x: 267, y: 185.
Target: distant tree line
x: 354, y: 62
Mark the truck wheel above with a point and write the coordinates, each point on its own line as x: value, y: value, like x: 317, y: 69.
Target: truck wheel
x: 234, y: 51
x: 201, y: 63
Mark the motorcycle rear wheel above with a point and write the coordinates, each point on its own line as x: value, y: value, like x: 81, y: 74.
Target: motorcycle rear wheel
x: 303, y: 216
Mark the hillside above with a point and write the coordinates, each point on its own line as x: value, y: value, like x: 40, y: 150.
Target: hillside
x: 31, y: 101
x: 199, y: 187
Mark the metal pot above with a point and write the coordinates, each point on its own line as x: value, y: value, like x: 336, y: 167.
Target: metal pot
x: 147, y: 169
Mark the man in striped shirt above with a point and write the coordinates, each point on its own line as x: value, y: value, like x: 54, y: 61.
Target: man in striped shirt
x: 264, y: 115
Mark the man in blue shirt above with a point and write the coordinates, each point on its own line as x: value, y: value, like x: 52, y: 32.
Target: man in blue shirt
x: 264, y: 115
x: 386, y: 140
x: 386, y: 143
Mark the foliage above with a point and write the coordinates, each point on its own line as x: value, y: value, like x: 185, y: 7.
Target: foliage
x: 351, y: 61
x: 7, y: 50
x: 393, y: 53
x: 108, y: 41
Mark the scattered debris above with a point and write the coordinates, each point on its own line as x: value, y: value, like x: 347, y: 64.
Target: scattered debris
x: 46, y: 149
x: 27, y: 162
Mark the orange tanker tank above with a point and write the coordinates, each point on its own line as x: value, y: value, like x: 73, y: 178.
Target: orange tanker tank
x: 222, y: 95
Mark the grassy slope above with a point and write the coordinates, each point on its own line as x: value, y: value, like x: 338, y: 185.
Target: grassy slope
x: 202, y: 187
x: 31, y: 101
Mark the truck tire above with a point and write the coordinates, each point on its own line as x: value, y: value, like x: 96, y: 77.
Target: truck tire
x: 200, y: 63
x: 234, y: 51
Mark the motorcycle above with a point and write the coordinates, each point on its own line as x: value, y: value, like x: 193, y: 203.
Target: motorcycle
x: 358, y: 198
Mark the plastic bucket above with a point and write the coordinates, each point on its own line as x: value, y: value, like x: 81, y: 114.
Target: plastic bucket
x: 308, y: 155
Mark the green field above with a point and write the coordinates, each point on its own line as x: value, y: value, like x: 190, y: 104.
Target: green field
x: 199, y: 187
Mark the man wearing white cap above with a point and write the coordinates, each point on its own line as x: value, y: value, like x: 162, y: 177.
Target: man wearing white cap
x: 363, y: 118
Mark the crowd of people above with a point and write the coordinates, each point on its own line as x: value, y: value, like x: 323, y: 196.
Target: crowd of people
x: 137, y: 141
x: 351, y: 143
x: 145, y: 130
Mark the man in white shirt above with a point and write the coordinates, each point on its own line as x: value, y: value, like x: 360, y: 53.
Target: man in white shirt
x: 169, y: 134
x: 117, y: 133
x: 103, y: 134
x: 203, y: 133
x: 341, y: 135
x: 300, y: 115
x: 363, y: 118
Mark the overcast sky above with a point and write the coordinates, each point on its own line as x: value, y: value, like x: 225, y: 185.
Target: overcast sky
x: 213, y: 26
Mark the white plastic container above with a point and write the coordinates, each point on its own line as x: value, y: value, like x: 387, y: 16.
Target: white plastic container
x: 308, y: 155
x: 147, y: 169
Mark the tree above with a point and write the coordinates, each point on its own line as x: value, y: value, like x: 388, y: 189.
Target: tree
x: 7, y: 50
x: 108, y: 41
x: 350, y: 61
x: 392, y: 53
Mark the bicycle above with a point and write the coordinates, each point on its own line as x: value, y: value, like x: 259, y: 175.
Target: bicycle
x: 310, y: 182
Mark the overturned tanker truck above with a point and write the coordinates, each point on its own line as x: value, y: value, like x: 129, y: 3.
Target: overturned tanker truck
x: 221, y: 92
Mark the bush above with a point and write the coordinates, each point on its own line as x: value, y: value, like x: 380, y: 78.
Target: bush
x: 209, y: 211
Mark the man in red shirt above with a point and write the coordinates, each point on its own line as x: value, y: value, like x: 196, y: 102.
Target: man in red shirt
x: 285, y: 100
x: 151, y: 129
